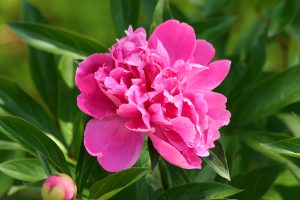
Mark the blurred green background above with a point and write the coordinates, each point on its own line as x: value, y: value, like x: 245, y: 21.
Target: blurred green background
x: 94, y: 18
x: 88, y: 17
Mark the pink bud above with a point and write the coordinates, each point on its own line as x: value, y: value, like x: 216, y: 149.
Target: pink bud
x: 58, y: 187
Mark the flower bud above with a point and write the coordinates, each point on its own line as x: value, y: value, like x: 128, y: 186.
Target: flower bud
x: 58, y: 187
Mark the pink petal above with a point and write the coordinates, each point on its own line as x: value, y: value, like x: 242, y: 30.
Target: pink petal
x: 91, y: 65
x: 177, y: 38
x: 138, y: 125
x: 185, y: 128
x: 116, y: 147
x: 217, y: 108
x: 203, y: 53
x: 93, y: 102
x: 157, y: 115
x: 212, y: 133
x: 171, y: 154
x: 211, y: 78
x: 198, y: 101
x: 128, y: 110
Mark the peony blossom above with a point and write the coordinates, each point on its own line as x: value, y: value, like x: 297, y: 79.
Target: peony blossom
x: 160, y: 88
x: 58, y: 187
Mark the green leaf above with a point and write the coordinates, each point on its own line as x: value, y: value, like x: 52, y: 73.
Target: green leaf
x: 172, y: 175
x: 154, y: 156
x: 124, y: 13
x: 207, y: 190
x: 149, y: 187
x: 42, y: 64
x: 114, y: 183
x: 256, y: 183
x: 217, y: 160
x: 5, y: 183
x: 78, y: 127
x: 255, y: 58
x: 148, y: 7
x: 270, y: 96
x: 233, y: 79
x: 282, y: 15
x: 213, y: 28
x: 161, y: 13
x: 255, y: 144
x: 31, y: 13
x: 84, y: 167
x: 286, y: 192
x: 289, y: 147
x: 264, y: 136
x: 6, y: 145
x: 43, y: 72
x: 32, y: 139
x: 26, y: 169
x: 206, y: 174
x: 66, y: 93
x: 158, y: 14
x: 17, y: 102
x: 56, y: 40
x: 44, y: 163
x: 248, y: 59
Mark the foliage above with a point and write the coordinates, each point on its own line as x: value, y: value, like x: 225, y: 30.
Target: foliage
x: 258, y: 154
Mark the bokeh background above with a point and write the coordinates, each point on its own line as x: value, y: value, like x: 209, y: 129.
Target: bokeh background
x: 94, y: 18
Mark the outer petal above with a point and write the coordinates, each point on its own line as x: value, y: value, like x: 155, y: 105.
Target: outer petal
x: 210, y: 78
x: 203, y: 53
x: 116, y: 147
x: 90, y: 65
x: 93, y: 102
x: 171, y: 154
x: 177, y: 38
x: 185, y: 128
x: 217, y: 108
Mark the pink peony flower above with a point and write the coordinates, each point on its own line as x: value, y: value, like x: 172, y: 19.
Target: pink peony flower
x: 161, y: 88
x: 58, y: 187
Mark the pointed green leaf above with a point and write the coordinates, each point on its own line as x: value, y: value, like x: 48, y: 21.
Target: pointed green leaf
x: 154, y: 156
x: 25, y: 169
x: 66, y: 93
x: 6, y: 145
x: 42, y: 64
x: 270, y: 96
x: 207, y: 190
x: 114, y: 183
x: 254, y: 143
x: 158, y: 14
x: 161, y: 13
x: 31, y: 13
x: 289, y: 147
x: 85, y: 164
x: 124, y: 13
x: 256, y: 183
x: 15, y: 101
x: 172, y: 175
x: 43, y: 71
x: 56, y: 40
x: 32, y: 139
x: 217, y: 160
x: 80, y: 120
x: 5, y: 183
x: 282, y: 15
x: 213, y: 28
x: 149, y: 187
